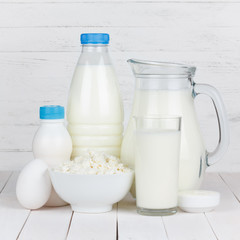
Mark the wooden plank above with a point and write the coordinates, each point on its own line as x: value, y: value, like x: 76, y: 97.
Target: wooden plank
x: 47, y: 223
x: 47, y: 75
x: 26, y: 133
x: 12, y: 215
x: 4, y: 177
x: 134, y: 226
x: 21, y: 138
x: 14, y: 161
x: 107, y: 14
x: 225, y: 220
x: 47, y: 62
x: 55, y: 70
x: 185, y: 226
x: 9, y: 189
x: 233, y: 182
x: 207, y: 39
x: 93, y: 226
x: 23, y: 141
x: 48, y: 80
x: 122, y: 1
x: 12, y: 123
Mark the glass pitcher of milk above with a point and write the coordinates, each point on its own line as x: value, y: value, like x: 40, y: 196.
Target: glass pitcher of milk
x: 95, y: 111
x: 169, y: 89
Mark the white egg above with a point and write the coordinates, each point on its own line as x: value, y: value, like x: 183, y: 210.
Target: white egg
x: 34, y: 185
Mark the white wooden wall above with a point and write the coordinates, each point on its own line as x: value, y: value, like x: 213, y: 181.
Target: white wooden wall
x: 39, y: 47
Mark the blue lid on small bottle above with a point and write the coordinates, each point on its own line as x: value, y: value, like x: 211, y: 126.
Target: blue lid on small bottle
x: 51, y: 112
x: 94, y: 38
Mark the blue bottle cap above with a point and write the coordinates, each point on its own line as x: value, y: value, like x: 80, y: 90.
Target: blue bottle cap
x: 51, y: 112
x: 94, y: 38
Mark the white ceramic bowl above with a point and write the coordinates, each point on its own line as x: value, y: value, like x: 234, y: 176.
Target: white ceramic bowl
x: 91, y: 193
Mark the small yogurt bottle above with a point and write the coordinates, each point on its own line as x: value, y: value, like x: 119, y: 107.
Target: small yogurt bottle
x: 52, y: 143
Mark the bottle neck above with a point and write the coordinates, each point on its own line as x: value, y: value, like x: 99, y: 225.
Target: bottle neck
x: 94, y: 54
x: 94, y: 48
x: 52, y: 121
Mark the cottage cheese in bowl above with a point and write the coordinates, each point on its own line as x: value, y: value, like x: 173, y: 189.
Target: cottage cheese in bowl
x: 96, y: 163
x: 93, y: 182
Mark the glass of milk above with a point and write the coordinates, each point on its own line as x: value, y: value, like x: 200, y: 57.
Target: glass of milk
x: 157, y: 164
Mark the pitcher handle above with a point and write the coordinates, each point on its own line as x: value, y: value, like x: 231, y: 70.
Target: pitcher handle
x: 223, y: 142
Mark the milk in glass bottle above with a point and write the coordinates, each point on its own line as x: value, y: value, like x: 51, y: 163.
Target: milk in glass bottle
x: 95, y: 112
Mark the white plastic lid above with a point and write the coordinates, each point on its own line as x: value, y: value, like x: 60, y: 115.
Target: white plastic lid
x: 198, y: 200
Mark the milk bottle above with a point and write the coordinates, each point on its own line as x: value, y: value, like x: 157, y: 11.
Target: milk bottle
x: 95, y: 112
x: 52, y: 143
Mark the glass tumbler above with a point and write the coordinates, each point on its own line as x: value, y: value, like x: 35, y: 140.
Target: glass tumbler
x: 157, y: 164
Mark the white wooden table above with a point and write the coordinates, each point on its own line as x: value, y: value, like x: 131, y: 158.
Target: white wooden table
x: 122, y: 222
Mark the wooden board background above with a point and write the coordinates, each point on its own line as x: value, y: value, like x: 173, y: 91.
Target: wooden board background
x: 39, y: 47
